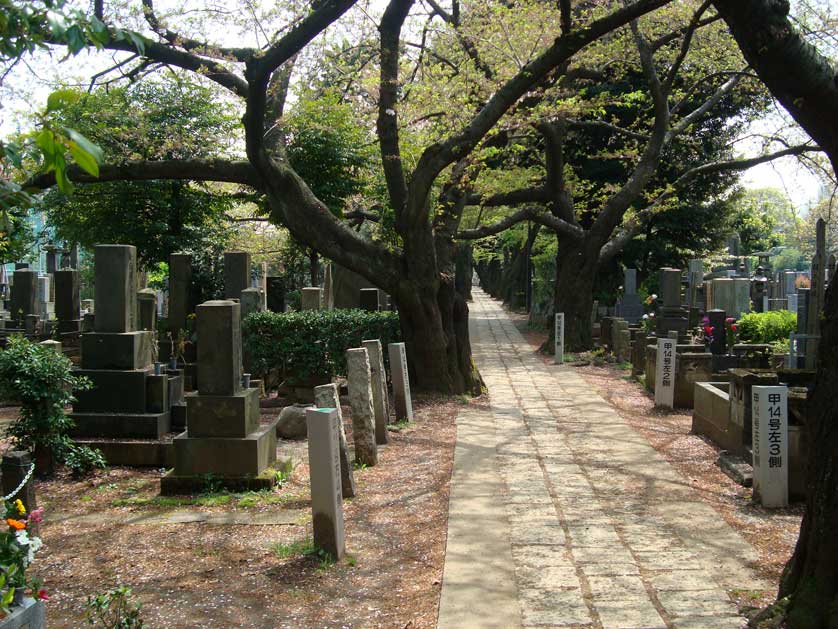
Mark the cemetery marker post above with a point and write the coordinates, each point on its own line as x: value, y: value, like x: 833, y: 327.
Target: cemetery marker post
x: 324, y: 471
x: 559, y: 335
x: 770, y: 430
x: 665, y: 376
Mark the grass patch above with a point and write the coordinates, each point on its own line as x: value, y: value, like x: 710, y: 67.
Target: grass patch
x: 204, y: 500
x: 293, y: 549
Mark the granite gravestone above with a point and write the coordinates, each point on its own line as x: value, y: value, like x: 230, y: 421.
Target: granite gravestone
x: 326, y: 396
x: 359, y: 381
x: 380, y: 402
x: 325, y: 481
x: 401, y: 382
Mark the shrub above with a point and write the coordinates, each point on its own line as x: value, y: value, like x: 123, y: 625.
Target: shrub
x: 82, y: 460
x: 313, y: 342
x: 766, y: 327
x: 43, y: 381
x: 114, y: 610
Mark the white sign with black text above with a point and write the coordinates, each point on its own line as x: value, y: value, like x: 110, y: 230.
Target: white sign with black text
x: 665, y: 373
x: 770, y: 431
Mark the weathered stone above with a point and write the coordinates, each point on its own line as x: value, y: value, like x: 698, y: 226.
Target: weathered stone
x: 67, y: 303
x: 14, y: 467
x: 326, y: 396
x: 670, y: 287
x: 380, y: 402
x: 180, y: 288
x: 147, y: 306
x: 292, y: 422
x: 236, y: 273
x: 276, y: 294
x: 370, y: 299
x: 24, y: 294
x: 251, y: 301
x: 711, y: 415
x: 116, y: 288
x: 311, y: 298
x: 157, y: 393
x: 234, y: 415
x: 219, y: 361
x: 324, y: 471
x: 401, y: 382
x: 771, y: 445
x: 360, y: 401
x: 690, y: 368
x: 128, y: 350
x: 718, y: 342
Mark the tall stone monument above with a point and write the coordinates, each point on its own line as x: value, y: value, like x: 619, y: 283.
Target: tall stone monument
x: 401, y: 382
x: 311, y: 298
x: 224, y: 436
x: 359, y: 380
x: 672, y: 315
x: 326, y: 396
x: 127, y: 399
x: 180, y: 291
x: 380, y: 403
x: 324, y: 472
x: 67, y: 301
x: 630, y: 307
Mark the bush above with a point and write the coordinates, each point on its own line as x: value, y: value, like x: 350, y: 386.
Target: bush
x: 114, y: 610
x: 43, y: 381
x: 766, y: 327
x: 82, y: 460
x: 313, y: 342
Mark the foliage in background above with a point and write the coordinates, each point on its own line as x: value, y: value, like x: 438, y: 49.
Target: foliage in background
x: 168, y: 120
x: 43, y: 381
x: 766, y: 327
x: 313, y: 342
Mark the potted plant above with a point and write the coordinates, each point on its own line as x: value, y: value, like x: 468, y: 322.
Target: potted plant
x: 21, y: 597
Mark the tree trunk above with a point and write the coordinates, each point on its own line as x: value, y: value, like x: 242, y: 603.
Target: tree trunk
x: 811, y: 575
x: 314, y: 268
x: 464, y: 269
x: 577, y: 263
x: 434, y: 323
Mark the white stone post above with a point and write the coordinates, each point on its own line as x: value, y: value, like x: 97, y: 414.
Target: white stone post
x: 559, y: 334
x: 770, y: 428
x: 324, y: 472
x: 665, y: 374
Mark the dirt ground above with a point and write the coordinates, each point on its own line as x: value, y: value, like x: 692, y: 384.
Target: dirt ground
x: 190, y: 575
x: 772, y: 532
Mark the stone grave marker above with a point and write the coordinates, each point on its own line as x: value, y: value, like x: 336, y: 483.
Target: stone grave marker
x: 770, y: 445
x: 665, y: 373
x: 311, y: 298
x: 630, y: 307
x: 402, y: 401
x: 559, y: 338
x: 276, y: 294
x: 67, y: 303
x: 236, y: 273
x: 24, y: 294
x: 359, y: 381
x: 147, y: 305
x: 324, y: 472
x: 326, y: 396
x: 380, y: 403
x: 180, y: 287
x: 251, y: 301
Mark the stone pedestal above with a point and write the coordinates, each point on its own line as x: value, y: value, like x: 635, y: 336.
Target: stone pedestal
x: 224, y: 436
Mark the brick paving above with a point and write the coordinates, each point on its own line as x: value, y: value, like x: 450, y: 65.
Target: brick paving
x: 562, y: 515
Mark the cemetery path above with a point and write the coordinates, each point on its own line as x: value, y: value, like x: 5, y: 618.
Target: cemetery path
x: 562, y: 515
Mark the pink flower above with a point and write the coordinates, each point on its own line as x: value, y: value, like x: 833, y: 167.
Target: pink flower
x: 42, y: 595
x: 37, y: 516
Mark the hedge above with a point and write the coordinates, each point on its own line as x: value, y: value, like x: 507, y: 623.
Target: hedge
x: 766, y: 327
x: 313, y: 342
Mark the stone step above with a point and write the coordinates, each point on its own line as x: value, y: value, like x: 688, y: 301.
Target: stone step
x: 130, y: 425
x: 135, y: 452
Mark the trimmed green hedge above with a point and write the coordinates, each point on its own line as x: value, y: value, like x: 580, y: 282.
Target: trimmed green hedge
x: 766, y: 327
x: 311, y: 343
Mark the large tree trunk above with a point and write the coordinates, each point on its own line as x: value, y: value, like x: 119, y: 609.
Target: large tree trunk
x: 577, y: 263
x: 811, y: 576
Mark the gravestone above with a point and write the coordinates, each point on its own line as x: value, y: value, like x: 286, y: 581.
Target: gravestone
x: 324, y: 474
x: 326, y: 396
x: 830, y: 268
x: 400, y: 377
x: 359, y: 381
x: 251, y: 301
x: 770, y: 445
x: 671, y: 316
x: 665, y: 373
x: 370, y: 299
x: 263, y: 287
x: 380, y: 403
x: 67, y: 303
x: 127, y: 401
x: 741, y: 297
x: 789, y: 278
x: 276, y: 294
x: 236, y: 273
x: 24, y: 295
x: 723, y: 295
x: 180, y: 290
x: 695, y: 277
x: 792, y: 302
x: 818, y: 286
x: 559, y: 338
x: 147, y: 306
x: 224, y: 436
x: 630, y: 307
x: 311, y: 298
x: 718, y: 343
x: 328, y: 289
x: 46, y: 306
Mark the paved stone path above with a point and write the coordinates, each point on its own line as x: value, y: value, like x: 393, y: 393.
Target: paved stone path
x: 561, y: 515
